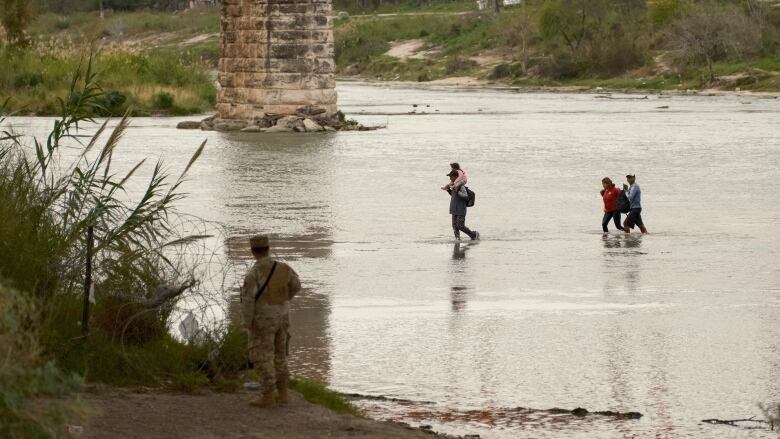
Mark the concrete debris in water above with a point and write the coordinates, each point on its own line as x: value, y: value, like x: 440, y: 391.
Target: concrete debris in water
x: 306, y: 119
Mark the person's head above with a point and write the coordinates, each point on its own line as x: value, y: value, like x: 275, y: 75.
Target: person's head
x: 606, y: 182
x: 455, y: 166
x: 453, y: 175
x: 259, y: 245
x: 630, y: 178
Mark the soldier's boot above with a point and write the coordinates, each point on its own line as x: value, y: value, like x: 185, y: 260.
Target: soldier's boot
x: 281, y: 387
x: 266, y: 400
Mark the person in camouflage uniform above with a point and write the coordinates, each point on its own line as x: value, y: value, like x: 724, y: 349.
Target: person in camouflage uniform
x: 265, y: 298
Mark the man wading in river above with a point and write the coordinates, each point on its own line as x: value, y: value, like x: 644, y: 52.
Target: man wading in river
x: 458, y: 205
x: 265, y: 299
x: 634, y: 194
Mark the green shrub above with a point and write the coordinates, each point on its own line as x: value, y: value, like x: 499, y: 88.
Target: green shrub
x: 459, y: 64
x: 662, y: 12
x: 27, y: 375
x: 62, y: 24
x: 500, y: 71
x: 26, y: 79
x: 162, y: 101
x: 111, y: 103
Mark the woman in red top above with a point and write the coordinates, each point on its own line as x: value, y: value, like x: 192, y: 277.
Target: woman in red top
x: 610, y: 194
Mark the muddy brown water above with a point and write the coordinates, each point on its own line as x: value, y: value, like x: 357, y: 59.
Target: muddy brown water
x: 543, y: 312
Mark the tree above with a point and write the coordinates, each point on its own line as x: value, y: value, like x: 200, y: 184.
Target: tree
x: 713, y: 31
x: 662, y: 12
x: 516, y: 28
x: 15, y: 16
x: 572, y: 20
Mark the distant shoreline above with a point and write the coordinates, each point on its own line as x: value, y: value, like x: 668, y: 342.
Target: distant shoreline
x: 470, y: 83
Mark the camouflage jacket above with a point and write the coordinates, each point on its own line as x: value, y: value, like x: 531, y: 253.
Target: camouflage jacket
x: 274, y: 302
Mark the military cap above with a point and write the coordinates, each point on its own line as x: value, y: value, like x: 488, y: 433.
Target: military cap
x: 258, y: 241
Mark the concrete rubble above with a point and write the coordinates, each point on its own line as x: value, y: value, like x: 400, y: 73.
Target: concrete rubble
x: 307, y: 119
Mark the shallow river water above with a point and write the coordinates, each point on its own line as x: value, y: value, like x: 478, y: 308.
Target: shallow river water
x: 680, y: 325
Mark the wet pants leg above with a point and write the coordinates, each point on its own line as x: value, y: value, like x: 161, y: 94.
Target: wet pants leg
x: 459, y: 225
x: 608, y: 216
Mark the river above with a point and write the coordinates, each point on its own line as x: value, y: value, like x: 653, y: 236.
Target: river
x: 545, y: 311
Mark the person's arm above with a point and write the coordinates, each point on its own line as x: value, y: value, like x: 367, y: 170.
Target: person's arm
x: 293, y: 283
x: 462, y: 192
x: 248, y: 290
x: 631, y: 193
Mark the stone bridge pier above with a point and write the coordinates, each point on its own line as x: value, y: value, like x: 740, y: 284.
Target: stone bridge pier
x: 276, y: 57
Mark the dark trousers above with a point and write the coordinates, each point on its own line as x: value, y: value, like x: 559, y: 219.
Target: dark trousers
x: 459, y: 225
x: 634, y: 217
x: 610, y: 216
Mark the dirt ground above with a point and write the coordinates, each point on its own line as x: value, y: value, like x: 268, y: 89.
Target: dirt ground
x: 120, y: 414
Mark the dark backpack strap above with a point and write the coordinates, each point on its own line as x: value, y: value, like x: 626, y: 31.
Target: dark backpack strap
x: 268, y: 279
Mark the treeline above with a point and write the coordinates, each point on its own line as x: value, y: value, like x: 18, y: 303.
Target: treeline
x: 69, y: 6
x: 609, y: 37
x: 565, y: 39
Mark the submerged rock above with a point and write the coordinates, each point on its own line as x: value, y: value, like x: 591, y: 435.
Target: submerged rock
x: 229, y: 124
x: 189, y: 125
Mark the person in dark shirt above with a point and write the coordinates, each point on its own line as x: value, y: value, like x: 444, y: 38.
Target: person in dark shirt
x: 458, y: 205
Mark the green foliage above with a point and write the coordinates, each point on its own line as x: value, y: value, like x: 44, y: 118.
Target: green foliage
x: 35, y: 78
x: 62, y: 24
x: 26, y: 79
x: 663, y: 12
x: 15, y: 16
x: 162, y: 101
x: 711, y: 32
x: 318, y: 394
x: 25, y: 375
x: 402, y: 6
x: 500, y: 71
x: 459, y: 64
x: 112, y: 103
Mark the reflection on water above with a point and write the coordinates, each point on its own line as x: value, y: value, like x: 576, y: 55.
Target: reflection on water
x: 460, y: 275
x: 543, y: 312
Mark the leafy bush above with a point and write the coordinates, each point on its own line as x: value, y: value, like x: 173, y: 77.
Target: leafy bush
x: 459, y: 64
x: 27, y: 375
x: 500, y: 71
x: 162, y: 101
x: 112, y: 103
x: 662, y: 12
x: 62, y: 24
x: 26, y: 79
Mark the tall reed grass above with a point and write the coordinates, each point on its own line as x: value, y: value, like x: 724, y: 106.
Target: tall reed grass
x: 47, y: 203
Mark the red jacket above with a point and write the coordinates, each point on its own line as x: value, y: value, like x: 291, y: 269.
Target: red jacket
x: 610, y: 199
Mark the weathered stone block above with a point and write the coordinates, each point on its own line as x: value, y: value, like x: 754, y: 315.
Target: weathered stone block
x: 276, y: 56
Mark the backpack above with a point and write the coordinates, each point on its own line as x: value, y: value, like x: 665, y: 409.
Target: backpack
x: 472, y: 197
x: 624, y: 206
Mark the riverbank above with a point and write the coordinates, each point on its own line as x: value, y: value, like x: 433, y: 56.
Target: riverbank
x: 126, y: 414
x: 473, y: 83
x: 164, y: 63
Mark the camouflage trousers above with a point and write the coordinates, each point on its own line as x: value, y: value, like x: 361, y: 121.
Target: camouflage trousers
x: 268, y: 350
